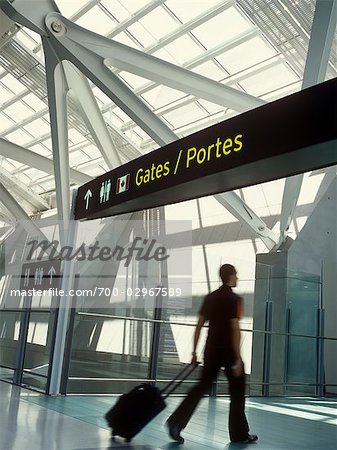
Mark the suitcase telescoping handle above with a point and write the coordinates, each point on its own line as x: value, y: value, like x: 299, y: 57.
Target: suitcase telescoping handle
x: 176, y: 382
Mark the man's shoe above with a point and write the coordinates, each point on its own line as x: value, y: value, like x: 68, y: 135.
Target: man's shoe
x: 250, y: 438
x: 174, y: 432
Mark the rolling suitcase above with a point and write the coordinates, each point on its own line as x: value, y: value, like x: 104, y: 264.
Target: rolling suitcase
x: 138, y: 407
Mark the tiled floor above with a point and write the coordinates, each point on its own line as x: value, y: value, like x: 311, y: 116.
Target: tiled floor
x: 29, y: 421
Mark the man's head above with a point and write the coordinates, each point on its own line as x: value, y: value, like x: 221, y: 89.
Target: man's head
x: 228, y: 275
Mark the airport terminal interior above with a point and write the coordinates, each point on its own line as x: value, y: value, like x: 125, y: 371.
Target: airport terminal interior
x: 137, y: 156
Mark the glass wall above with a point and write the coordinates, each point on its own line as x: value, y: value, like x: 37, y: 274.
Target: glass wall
x: 27, y: 323
x: 289, y: 323
x: 285, y: 354
x: 26, y: 346
x: 303, y: 319
x: 9, y: 339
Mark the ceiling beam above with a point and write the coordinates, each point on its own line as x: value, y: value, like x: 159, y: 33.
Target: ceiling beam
x: 57, y: 88
x: 21, y: 189
x: 11, y: 204
x: 8, y: 28
x: 91, y: 114
x: 239, y: 209
x: 323, y: 34
x: 5, y: 216
x: 32, y: 159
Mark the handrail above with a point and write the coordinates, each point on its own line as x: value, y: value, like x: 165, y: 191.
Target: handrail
x: 144, y: 319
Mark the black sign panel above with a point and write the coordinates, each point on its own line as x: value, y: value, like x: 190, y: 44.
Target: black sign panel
x: 289, y: 136
x: 41, y: 275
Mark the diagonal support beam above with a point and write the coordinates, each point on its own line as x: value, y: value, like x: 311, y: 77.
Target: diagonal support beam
x: 5, y: 217
x: 321, y: 40
x: 75, y: 39
x: 291, y: 193
x: 90, y: 112
x: 57, y: 98
x: 21, y: 190
x: 8, y: 28
x: 19, y: 213
x: 236, y: 206
x: 32, y: 159
x: 323, y: 34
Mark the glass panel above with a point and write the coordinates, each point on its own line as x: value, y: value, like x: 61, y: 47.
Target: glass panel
x: 304, y: 299
x: 6, y: 374
x: 159, y: 22
x: 225, y: 26
x: 69, y: 8
x: 184, y: 49
x: 9, y: 335
x: 188, y: 9
x: 108, y: 348
x: 277, y: 367
x: 141, y: 34
x: 330, y: 366
x: 176, y: 344
x: 271, y: 79
x: 12, y: 83
x: 39, y: 342
x: 116, y: 8
x: 34, y: 381
x: 246, y: 55
x: 96, y: 20
x: 20, y: 137
x: 5, y: 122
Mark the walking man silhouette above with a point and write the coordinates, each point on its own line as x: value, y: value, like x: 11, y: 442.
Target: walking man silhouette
x: 222, y: 308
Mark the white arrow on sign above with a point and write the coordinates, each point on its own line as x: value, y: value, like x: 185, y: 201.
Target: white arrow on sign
x: 51, y: 272
x: 87, y: 198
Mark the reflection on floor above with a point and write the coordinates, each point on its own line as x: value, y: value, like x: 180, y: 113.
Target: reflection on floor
x: 32, y: 421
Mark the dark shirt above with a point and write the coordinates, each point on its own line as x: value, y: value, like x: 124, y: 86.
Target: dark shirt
x: 219, y: 307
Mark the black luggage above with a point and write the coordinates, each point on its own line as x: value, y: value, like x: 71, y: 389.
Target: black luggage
x: 138, y: 407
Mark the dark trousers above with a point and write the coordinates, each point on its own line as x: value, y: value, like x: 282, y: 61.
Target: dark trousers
x: 213, y: 361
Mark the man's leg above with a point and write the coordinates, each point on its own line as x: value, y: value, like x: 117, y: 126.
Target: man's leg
x: 181, y: 416
x: 237, y: 421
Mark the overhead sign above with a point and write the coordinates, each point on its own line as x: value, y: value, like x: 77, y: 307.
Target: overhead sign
x: 41, y: 275
x: 289, y: 136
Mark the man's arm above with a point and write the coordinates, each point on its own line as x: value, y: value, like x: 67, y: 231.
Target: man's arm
x: 201, y: 321
x: 235, y: 335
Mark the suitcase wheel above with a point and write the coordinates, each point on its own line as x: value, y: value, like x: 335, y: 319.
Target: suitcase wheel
x: 127, y: 439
